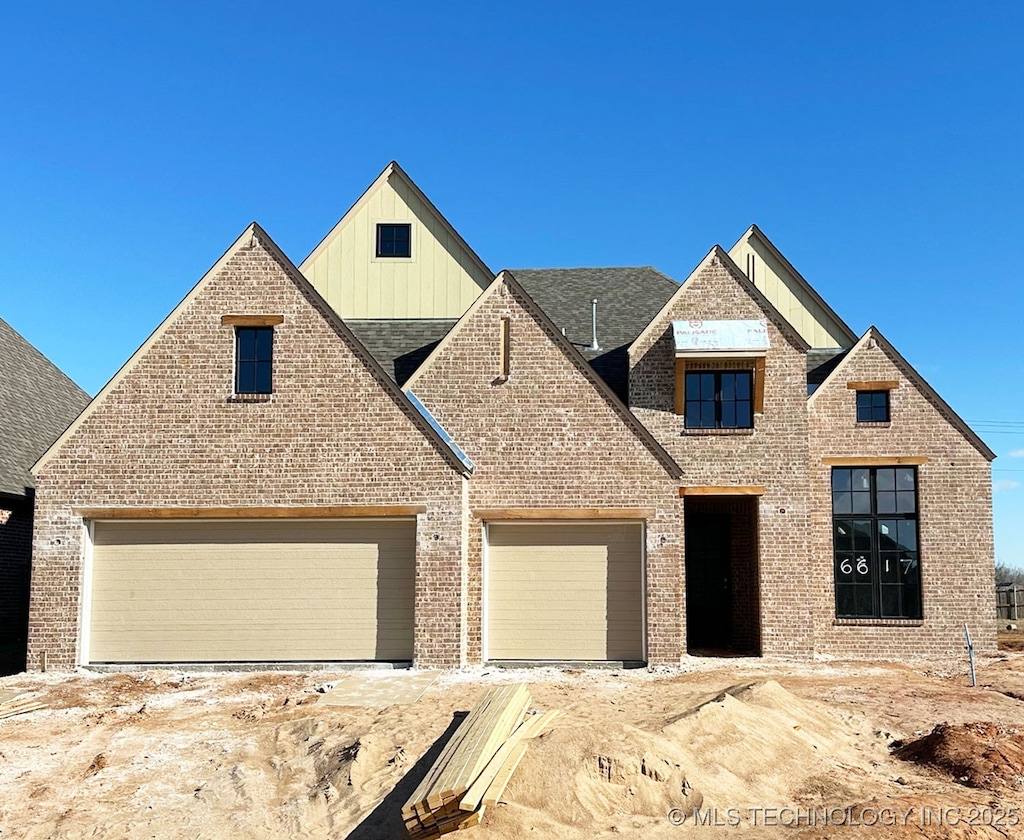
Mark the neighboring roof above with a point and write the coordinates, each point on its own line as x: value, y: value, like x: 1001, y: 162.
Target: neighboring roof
x: 400, y: 344
x: 907, y: 369
x: 394, y: 169
x: 754, y: 232
x: 37, y: 403
x: 254, y: 233
x: 571, y: 353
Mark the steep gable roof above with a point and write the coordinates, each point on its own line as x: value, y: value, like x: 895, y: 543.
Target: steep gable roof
x: 254, y: 234
x: 439, y: 278
x: 37, y: 403
x: 954, y: 419
x: 506, y: 279
x: 718, y: 253
x: 827, y: 318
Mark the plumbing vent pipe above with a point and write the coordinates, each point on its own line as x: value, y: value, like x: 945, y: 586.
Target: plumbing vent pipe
x: 593, y: 317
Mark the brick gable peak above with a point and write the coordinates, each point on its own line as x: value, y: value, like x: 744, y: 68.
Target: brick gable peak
x: 255, y: 237
x: 717, y: 256
x: 873, y: 339
x: 505, y: 283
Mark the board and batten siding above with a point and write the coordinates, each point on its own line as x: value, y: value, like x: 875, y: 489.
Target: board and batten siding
x: 220, y: 591
x: 440, y: 280
x: 564, y: 591
x: 789, y: 296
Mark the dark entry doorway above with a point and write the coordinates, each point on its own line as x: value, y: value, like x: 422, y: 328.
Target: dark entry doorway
x: 722, y: 603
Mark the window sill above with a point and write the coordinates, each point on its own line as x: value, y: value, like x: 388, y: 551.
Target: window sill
x: 716, y: 432
x: 873, y: 424
x: 250, y: 398
x: 878, y: 622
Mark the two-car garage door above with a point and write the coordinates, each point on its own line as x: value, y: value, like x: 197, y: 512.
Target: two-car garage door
x: 249, y: 591
x: 564, y: 591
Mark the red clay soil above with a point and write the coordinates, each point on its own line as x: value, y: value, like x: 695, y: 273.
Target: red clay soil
x: 979, y: 755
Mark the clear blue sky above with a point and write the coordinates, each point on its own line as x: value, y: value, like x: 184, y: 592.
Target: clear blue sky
x: 878, y: 144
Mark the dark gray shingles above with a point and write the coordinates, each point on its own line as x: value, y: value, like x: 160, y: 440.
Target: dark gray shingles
x: 37, y: 403
x: 627, y: 301
x: 400, y: 344
x: 820, y: 363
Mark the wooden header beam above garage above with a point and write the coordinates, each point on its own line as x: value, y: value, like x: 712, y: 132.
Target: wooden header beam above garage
x: 335, y: 512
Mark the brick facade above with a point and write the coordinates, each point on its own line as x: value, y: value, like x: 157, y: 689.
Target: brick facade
x: 15, y: 565
x: 335, y: 432
x: 550, y: 436
x: 772, y: 454
x: 955, y: 520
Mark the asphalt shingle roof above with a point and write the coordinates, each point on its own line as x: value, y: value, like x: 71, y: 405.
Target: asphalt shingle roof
x: 37, y: 403
x: 820, y: 363
x: 628, y: 298
x: 400, y: 344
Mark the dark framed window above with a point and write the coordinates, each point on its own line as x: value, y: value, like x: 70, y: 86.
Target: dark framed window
x: 719, y: 399
x: 872, y: 406
x: 254, y: 353
x: 394, y: 240
x: 874, y: 527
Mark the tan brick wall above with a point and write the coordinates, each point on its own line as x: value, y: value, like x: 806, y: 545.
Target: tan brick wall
x: 547, y: 437
x: 168, y: 435
x: 773, y: 454
x: 955, y: 516
x: 15, y: 569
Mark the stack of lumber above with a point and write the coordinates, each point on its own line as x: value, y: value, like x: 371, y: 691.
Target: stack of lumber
x: 15, y: 703
x: 477, y: 763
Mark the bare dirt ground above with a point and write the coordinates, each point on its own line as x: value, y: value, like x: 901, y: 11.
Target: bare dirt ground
x: 728, y: 748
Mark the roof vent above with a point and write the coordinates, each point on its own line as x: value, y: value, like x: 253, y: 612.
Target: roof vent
x: 593, y: 319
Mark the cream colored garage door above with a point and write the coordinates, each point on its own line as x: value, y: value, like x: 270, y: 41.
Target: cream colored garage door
x: 564, y: 591
x: 215, y: 591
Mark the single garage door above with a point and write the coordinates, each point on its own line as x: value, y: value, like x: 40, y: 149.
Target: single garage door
x: 565, y: 591
x: 250, y: 591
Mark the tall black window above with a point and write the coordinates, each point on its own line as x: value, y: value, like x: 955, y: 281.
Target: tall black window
x: 394, y: 240
x: 719, y: 399
x: 872, y: 406
x: 874, y: 525
x: 254, y: 350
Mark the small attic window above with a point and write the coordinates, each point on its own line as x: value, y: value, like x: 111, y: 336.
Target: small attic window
x: 872, y: 406
x: 394, y: 240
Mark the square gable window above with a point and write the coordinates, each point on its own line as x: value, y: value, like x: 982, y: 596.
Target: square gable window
x: 254, y: 352
x: 719, y: 399
x: 394, y: 240
x: 872, y: 406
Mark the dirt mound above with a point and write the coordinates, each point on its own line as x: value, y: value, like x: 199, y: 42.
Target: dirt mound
x: 751, y: 744
x: 979, y: 755
x: 758, y: 742
x: 584, y: 778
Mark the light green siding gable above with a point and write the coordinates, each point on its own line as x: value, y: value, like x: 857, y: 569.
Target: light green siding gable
x: 789, y: 293
x: 440, y: 279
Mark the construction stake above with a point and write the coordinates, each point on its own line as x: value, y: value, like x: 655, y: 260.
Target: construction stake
x: 970, y: 655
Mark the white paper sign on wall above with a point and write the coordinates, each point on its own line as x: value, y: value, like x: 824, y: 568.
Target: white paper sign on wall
x: 720, y: 335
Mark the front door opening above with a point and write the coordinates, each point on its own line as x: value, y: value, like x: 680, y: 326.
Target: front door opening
x: 722, y: 593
